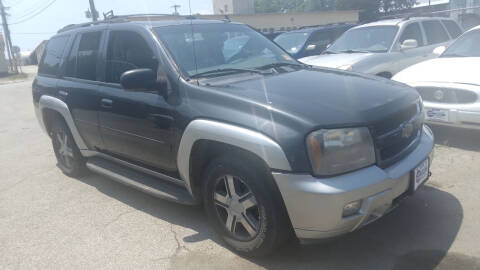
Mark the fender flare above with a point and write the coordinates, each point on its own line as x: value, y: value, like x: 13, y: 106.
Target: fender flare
x: 62, y: 108
x: 249, y: 140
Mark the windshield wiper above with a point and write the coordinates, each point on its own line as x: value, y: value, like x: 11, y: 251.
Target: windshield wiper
x: 225, y: 71
x: 280, y: 64
x: 354, y: 51
x: 453, y: 55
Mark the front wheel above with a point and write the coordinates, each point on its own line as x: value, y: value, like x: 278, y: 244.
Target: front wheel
x: 240, y: 205
x: 69, y: 158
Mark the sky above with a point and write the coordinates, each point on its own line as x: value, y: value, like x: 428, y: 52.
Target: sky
x: 28, y: 34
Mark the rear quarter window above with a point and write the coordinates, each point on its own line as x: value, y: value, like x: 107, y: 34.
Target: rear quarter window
x: 52, y: 57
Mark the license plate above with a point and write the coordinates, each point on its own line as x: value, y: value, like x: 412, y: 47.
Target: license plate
x: 433, y: 114
x: 420, y: 174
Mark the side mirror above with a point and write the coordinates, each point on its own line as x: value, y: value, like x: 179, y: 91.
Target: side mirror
x: 409, y: 44
x: 439, y: 50
x: 310, y: 47
x: 141, y: 79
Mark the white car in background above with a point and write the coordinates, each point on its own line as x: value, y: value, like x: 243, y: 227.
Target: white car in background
x: 385, y: 47
x: 450, y: 84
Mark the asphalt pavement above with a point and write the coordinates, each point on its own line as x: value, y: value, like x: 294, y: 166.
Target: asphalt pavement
x: 51, y: 221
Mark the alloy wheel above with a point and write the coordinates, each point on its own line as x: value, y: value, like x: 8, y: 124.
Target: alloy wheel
x: 237, y: 207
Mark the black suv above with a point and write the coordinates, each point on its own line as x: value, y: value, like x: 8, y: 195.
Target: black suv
x: 271, y: 147
x: 310, y: 41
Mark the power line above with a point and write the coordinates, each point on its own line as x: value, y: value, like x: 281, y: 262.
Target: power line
x: 32, y: 9
x: 34, y: 15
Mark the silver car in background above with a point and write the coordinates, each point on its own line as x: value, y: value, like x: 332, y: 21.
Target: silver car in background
x: 386, y: 47
x: 450, y: 84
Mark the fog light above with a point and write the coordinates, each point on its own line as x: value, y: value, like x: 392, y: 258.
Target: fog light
x: 351, y: 208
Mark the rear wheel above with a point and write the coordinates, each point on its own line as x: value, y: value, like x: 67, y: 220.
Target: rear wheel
x: 69, y: 158
x: 240, y: 204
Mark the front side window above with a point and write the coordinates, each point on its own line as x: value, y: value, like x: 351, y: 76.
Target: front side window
x: 292, y: 42
x: 126, y: 51
x: 321, y: 40
x: 82, y: 60
x: 208, y: 47
x: 466, y: 46
x: 435, y: 32
x: 412, y: 31
x: 50, y: 63
x: 365, y: 39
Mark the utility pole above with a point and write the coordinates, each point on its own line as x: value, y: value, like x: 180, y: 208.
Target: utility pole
x: 93, y: 11
x: 175, y: 7
x: 8, y: 40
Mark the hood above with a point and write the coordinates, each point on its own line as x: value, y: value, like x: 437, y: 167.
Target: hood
x: 334, y: 60
x: 323, y: 97
x: 451, y: 70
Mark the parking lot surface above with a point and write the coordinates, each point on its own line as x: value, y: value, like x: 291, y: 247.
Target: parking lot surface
x: 51, y: 221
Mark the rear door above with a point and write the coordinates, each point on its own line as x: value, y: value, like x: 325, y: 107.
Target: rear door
x: 136, y: 126
x: 80, y: 86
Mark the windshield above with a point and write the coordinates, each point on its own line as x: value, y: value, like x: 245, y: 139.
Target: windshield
x: 467, y: 45
x: 292, y: 42
x: 365, y: 39
x: 201, y: 48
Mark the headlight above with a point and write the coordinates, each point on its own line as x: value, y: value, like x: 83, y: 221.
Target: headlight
x: 335, y: 151
x: 346, y: 67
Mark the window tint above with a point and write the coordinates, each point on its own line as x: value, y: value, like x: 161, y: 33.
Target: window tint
x: 82, y: 60
x: 53, y: 55
x: 126, y: 51
x: 435, y: 32
x: 412, y: 31
x: 452, y: 28
x: 321, y: 39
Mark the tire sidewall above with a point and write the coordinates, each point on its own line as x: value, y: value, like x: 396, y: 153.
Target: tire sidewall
x: 266, y: 238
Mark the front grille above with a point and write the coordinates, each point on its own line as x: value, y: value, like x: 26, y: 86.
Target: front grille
x: 397, y: 135
x: 447, y: 95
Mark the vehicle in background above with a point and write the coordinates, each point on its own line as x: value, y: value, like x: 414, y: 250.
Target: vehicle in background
x: 310, y: 40
x: 386, y: 47
x: 272, y: 35
x: 450, y: 85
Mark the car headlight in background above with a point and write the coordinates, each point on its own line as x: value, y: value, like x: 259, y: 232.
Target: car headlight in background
x: 336, y: 151
x: 346, y: 67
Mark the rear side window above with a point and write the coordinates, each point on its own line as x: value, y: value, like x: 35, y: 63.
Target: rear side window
x: 412, y: 31
x: 435, y: 32
x: 82, y: 60
x: 50, y: 63
x: 452, y: 28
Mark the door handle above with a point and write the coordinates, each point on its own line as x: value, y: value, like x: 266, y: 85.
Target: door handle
x: 106, y: 103
x: 62, y: 93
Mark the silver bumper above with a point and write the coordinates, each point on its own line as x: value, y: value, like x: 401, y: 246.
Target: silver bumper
x: 462, y: 116
x: 315, y: 205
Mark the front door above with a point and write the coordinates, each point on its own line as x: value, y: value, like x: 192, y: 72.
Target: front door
x: 136, y: 126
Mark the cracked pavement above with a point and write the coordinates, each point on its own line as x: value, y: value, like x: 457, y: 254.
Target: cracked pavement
x: 51, y: 221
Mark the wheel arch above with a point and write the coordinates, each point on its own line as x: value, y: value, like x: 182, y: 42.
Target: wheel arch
x: 201, y: 133
x: 49, y: 106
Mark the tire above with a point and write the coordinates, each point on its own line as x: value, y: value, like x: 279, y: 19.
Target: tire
x: 69, y: 158
x: 256, y: 219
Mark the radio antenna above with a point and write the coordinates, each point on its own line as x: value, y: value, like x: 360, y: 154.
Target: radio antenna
x: 190, y: 7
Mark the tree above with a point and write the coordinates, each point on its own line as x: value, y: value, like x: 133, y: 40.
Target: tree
x: 369, y: 9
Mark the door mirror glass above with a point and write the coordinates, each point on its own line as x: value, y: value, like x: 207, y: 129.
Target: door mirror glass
x: 310, y: 47
x: 139, y: 79
x: 439, y: 50
x: 409, y: 44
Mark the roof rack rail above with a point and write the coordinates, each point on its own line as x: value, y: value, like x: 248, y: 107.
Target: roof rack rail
x: 109, y: 17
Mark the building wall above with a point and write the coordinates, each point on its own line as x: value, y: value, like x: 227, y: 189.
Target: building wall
x: 277, y: 21
x: 221, y: 7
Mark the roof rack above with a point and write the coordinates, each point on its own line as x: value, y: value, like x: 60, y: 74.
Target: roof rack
x: 109, y: 17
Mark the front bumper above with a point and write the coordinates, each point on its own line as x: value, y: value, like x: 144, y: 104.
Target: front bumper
x: 315, y: 205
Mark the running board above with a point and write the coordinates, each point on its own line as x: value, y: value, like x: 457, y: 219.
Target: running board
x: 141, y: 181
